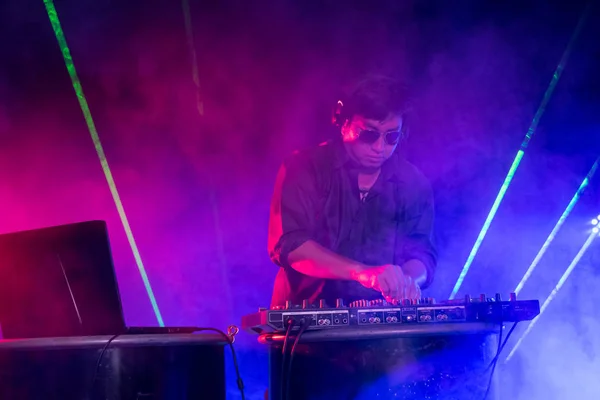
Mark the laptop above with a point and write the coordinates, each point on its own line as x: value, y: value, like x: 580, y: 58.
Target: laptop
x: 59, y: 281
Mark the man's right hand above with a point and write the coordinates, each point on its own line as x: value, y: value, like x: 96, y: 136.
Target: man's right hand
x: 390, y: 280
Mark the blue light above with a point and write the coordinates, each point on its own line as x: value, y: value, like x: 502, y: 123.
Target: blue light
x: 558, y: 286
x: 558, y: 225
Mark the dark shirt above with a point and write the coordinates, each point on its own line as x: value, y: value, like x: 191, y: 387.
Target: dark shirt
x: 317, y: 198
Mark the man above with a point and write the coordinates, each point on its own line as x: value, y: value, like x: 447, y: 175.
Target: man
x: 351, y: 219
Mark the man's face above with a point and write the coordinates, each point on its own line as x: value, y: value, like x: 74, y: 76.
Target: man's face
x: 370, y: 142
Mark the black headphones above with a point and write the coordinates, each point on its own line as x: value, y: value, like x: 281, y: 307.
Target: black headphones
x: 340, y: 117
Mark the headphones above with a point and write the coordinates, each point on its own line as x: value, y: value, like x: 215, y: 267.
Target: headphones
x: 340, y: 116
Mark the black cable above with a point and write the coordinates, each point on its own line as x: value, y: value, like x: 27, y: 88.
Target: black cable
x: 229, y: 339
x: 494, y: 362
x: 303, y: 328
x: 290, y: 325
x: 495, y: 359
x: 99, y: 363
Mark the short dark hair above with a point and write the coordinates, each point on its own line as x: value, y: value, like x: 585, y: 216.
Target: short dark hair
x: 376, y: 97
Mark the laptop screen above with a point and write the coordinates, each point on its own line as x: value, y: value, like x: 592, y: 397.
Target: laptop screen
x: 59, y: 281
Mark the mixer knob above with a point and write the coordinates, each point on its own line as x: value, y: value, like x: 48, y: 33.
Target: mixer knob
x: 406, y: 302
x: 305, y: 304
x: 322, y: 304
x: 482, y: 298
x: 339, y: 303
x: 431, y: 300
x: 498, y: 297
x: 288, y: 305
x: 513, y: 297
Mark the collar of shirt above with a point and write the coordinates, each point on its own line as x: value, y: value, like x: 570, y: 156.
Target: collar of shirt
x: 390, y: 171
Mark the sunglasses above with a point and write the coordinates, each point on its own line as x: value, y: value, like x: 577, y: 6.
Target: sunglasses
x: 370, y: 136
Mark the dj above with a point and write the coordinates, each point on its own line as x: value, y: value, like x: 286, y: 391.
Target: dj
x: 350, y: 218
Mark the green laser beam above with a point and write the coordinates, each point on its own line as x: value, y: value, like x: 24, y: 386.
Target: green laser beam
x: 556, y: 76
x: 220, y: 248
x: 517, y: 161
x: 66, y: 53
x: 190, y: 39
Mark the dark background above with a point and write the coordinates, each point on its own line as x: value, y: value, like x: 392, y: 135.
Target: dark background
x: 196, y: 189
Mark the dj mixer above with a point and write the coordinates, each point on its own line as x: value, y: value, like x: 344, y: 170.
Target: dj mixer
x: 368, y: 313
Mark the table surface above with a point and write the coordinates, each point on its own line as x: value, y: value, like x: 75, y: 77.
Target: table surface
x: 125, y: 340
x: 388, y: 331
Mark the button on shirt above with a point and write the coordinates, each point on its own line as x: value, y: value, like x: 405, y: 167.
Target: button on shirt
x: 317, y: 198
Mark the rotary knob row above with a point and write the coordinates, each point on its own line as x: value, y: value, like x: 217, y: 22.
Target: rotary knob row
x: 339, y: 303
x: 484, y: 299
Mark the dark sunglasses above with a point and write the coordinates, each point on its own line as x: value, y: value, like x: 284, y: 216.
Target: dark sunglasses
x: 370, y: 137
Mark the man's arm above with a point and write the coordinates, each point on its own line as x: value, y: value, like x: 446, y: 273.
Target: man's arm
x: 292, y: 223
x: 292, y: 243
x: 418, y: 252
x: 315, y: 260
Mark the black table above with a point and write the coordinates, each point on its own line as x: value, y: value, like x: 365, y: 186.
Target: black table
x: 165, y: 366
x: 446, y: 361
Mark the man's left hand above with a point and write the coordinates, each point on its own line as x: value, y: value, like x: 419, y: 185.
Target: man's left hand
x: 412, y: 289
x: 416, y: 273
x: 408, y: 287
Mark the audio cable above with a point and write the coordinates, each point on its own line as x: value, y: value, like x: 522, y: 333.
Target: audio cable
x: 492, y: 365
x: 290, y: 325
x: 495, y: 359
x: 99, y: 363
x: 305, y: 323
x: 229, y: 338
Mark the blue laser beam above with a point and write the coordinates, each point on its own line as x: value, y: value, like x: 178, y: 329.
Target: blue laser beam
x: 558, y: 286
x: 557, y: 227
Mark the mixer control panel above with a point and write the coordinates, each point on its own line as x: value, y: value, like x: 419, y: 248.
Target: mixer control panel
x: 380, y: 312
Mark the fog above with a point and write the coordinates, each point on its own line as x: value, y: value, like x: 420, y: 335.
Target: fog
x: 196, y: 188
